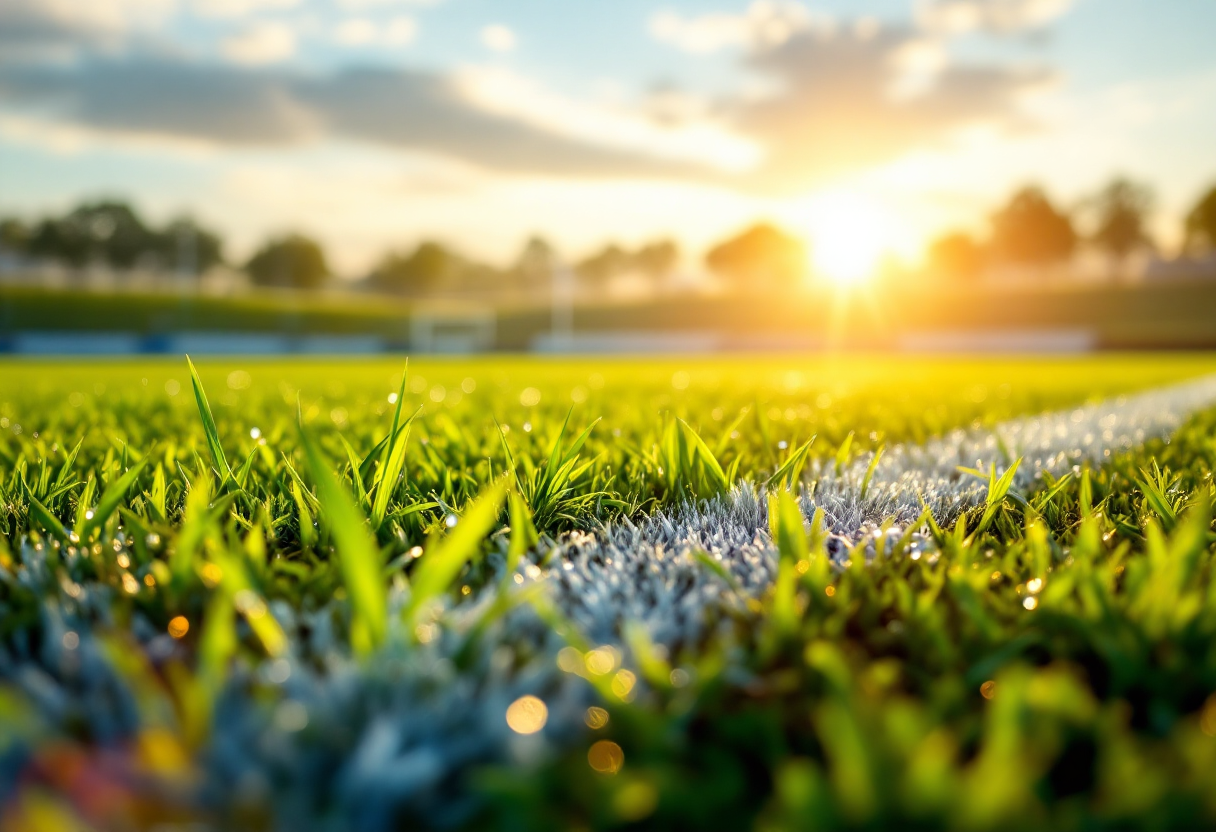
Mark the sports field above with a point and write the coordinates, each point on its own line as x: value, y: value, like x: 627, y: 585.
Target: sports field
x: 750, y: 593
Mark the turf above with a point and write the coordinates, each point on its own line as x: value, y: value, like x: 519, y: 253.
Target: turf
x: 309, y: 595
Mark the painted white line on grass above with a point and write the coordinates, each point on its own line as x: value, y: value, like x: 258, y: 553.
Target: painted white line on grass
x: 647, y: 572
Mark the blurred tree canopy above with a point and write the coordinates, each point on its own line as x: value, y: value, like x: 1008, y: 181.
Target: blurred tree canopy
x: 760, y: 256
x: 655, y: 260
x: 601, y: 267
x: 429, y: 267
x: 535, y: 264
x: 1122, y: 209
x: 112, y: 234
x: 1201, y: 223
x: 955, y: 256
x: 1030, y: 231
x: 189, y: 248
x: 293, y: 262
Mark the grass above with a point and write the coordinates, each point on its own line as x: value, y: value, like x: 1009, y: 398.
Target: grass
x: 304, y: 595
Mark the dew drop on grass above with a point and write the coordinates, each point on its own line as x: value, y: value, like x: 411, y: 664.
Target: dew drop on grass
x: 606, y: 757
x: 527, y: 715
x: 178, y: 626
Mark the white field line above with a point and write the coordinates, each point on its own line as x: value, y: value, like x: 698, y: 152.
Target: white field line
x: 646, y: 572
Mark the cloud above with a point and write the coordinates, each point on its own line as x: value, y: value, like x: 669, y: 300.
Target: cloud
x: 819, y: 99
x: 362, y: 5
x: 838, y: 106
x: 360, y: 31
x: 497, y: 37
x: 163, y: 97
x: 30, y: 26
x: 957, y: 17
x: 240, y: 8
x: 764, y: 23
x: 694, y: 140
x: 261, y: 43
x: 265, y: 106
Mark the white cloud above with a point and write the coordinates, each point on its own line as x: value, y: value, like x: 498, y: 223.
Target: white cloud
x: 917, y: 64
x: 240, y: 8
x: 764, y: 23
x: 360, y: 31
x: 262, y: 43
x: 498, y: 37
x: 357, y: 31
x: 27, y: 26
x: 956, y: 17
x: 700, y: 142
x: 361, y: 5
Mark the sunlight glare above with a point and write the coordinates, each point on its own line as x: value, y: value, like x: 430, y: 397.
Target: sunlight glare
x: 850, y: 234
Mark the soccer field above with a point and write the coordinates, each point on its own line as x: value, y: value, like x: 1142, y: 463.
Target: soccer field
x: 506, y: 593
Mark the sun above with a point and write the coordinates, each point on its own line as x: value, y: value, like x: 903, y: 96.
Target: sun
x: 850, y: 235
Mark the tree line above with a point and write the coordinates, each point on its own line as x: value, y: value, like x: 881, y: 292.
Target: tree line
x: 1029, y: 230
x: 1032, y: 231
x: 111, y: 234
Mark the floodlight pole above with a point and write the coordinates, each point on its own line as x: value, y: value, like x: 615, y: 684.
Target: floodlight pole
x: 187, y: 253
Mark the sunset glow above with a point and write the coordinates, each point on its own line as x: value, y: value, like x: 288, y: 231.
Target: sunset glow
x: 849, y: 236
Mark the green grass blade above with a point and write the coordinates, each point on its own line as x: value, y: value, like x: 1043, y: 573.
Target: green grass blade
x: 842, y: 454
x: 708, y: 461
x: 45, y: 518
x: 110, y: 499
x: 390, y: 471
x: 358, y: 556
x: 865, y: 481
x: 523, y: 531
x: 440, y: 566
x: 791, y: 469
x: 209, y: 428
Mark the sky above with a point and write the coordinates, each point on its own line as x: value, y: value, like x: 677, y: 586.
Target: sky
x: 372, y: 124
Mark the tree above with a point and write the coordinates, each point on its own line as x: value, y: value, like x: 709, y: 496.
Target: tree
x: 427, y: 268
x: 188, y: 248
x: 604, y: 265
x: 1030, y: 231
x: 14, y: 235
x: 654, y: 260
x: 1122, y: 209
x: 535, y: 264
x: 112, y: 233
x: 955, y: 256
x: 657, y: 259
x: 760, y: 256
x: 103, y: 232
x: 293, y: 262
x: 1201, y: 223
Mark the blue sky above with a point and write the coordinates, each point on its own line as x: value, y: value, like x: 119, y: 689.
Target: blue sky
x: 373, y: 123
